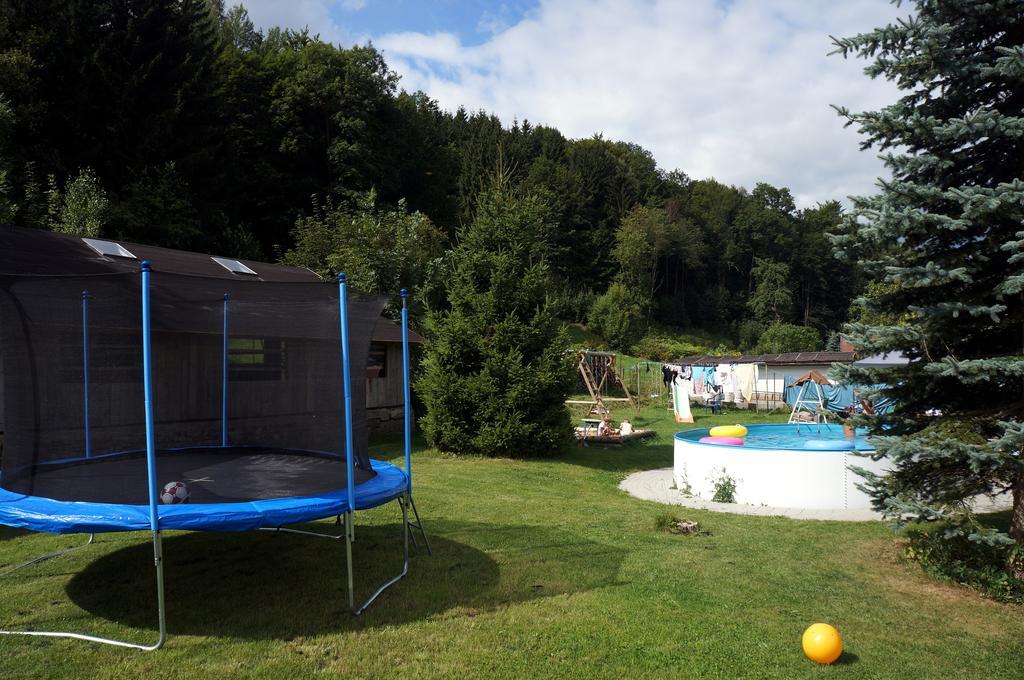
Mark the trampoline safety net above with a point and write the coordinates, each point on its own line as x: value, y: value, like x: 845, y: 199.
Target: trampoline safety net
x: 256, y: 412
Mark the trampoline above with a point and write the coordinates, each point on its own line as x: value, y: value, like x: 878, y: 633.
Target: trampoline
x: 115, y: 385
x: 231, y: 489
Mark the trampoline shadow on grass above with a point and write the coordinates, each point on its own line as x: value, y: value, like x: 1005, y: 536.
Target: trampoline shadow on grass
x: 263, y: 585
x: 10, y: 533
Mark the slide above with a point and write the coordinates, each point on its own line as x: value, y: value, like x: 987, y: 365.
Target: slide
x: 681, y: 401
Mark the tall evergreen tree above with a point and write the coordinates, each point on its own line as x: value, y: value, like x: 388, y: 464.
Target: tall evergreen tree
x: 943, y: 239
x: 495, y: 376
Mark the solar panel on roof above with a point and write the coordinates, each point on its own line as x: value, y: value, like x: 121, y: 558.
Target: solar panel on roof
x: 108, y: 248
x: 233, y: 266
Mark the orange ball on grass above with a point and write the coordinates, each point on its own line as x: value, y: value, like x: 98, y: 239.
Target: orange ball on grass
x: 822, y: 643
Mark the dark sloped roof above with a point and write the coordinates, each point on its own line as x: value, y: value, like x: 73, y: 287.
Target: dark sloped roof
x: 37, y: 252
x: 786, y: 359
x: 388, y: 331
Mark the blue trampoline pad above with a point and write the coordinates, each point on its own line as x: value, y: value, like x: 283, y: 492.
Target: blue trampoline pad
x: 268, y: 505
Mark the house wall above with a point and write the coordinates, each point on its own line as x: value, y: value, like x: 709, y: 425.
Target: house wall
x: 296, y: 410
x: 773, y: 378
x: 189, y: 409
x: 385, y: 398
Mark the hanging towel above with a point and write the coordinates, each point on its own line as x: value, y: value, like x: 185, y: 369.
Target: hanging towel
x: 745, y: 380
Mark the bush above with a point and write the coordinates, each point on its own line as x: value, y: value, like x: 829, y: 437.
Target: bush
x: 784, y: 337
x: 618, y: 317
x: 572, y: 305
x: 944, y: 550
x: 656, y: 347
x: 669, y: 344
x: 382, y: 249
x: 749, y: 333
x: 82, y: 207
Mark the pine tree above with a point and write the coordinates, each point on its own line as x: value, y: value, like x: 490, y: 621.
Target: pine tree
x: 942, y: 240
x: 495, y: 375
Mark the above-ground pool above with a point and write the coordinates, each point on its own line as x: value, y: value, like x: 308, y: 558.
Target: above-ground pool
x: 786, y: 466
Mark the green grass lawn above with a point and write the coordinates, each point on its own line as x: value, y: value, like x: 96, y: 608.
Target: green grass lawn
x: 540, y: 568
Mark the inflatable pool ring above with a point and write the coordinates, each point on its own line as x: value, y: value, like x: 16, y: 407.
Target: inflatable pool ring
x: 722, y: 441
x: 830, y: 445
x: 728, y: 431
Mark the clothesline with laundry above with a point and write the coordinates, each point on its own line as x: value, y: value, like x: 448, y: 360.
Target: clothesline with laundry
x: 735, y: 382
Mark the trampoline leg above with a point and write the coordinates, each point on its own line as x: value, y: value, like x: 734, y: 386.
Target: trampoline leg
x: 348, y: 558
x: 50, y: 556
x: 161, y: 612
x: 158, y: 561
x: 406, y: 532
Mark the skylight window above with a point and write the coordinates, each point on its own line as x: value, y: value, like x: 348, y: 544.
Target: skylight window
x: 108, y: 248
x: 234, y: 266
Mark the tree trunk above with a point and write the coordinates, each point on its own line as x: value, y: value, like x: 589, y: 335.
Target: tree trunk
x: 807, y: 303
x: 1015, y: 567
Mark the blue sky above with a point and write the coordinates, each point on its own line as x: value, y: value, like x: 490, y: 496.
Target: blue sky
x: 738, y: 90
x: 473, y: 21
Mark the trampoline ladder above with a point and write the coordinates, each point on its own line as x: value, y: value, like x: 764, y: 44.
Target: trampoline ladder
x: 417, y: 524
x: 350, y: 535
x: 405, y: 502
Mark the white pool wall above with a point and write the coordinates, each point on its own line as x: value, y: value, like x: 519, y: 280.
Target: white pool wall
x: 785, y: 478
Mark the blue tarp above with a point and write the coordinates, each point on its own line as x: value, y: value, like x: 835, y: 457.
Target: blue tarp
x: 837, y: 399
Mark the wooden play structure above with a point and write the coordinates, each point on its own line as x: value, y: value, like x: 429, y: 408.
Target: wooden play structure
x: 599, y: 376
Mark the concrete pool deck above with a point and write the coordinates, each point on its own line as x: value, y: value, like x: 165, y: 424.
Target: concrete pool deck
x: 657, y: 486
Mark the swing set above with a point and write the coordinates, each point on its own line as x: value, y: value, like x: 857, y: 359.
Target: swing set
x: 600, y: 376
x: 809, y: 406
x: 647, y: 377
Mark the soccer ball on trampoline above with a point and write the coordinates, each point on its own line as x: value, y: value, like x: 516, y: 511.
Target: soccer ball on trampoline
x: 174, y: 492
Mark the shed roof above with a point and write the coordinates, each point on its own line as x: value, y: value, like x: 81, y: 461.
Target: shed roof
x: 786, y: 359
x: 36, y: 252
x: 388, y: 331
x: 882, y: 360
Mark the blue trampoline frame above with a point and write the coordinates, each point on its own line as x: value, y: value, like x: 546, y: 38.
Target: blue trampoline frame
x: 65, y: 517
x: 37, y: 513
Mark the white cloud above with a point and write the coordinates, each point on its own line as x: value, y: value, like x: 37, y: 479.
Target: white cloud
x: 299, y: 14
x: 440, y: 48
x: 739, y: 91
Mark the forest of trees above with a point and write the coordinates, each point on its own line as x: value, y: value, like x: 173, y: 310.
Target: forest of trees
x: 177, y: 123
